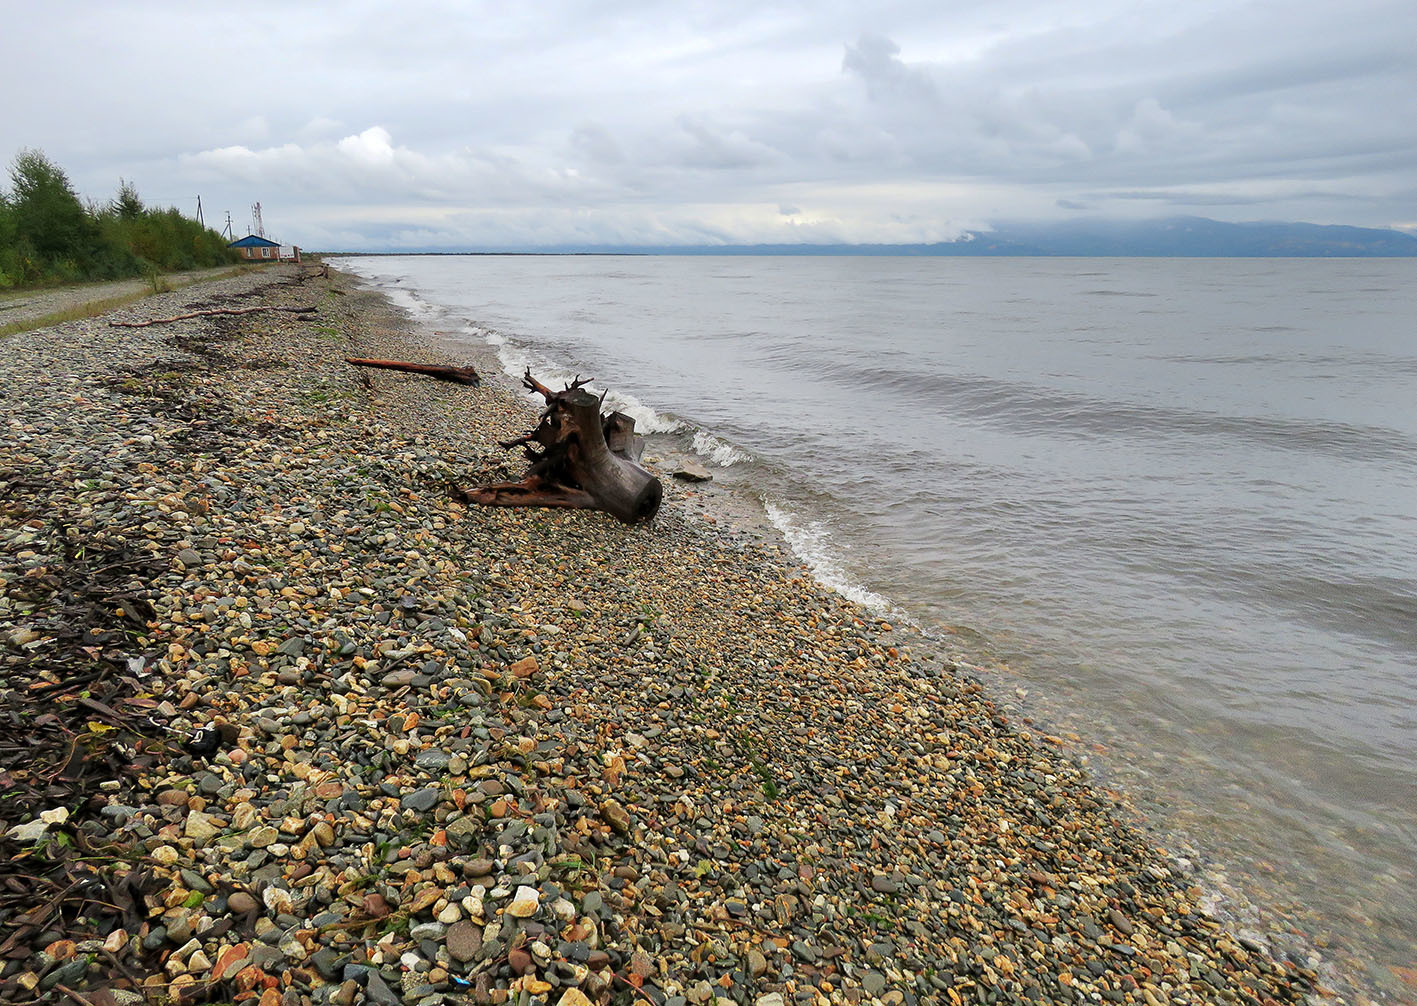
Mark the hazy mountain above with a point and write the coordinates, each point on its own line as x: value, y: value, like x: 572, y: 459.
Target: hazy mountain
x: 1191, y: 236
x: 1178, y: 236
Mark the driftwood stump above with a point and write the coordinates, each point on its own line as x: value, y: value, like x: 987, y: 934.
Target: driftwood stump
x: 585, y: 460
x: 579, y: 458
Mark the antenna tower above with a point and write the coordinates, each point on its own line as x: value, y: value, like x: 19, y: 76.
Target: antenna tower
x: 257, y: 228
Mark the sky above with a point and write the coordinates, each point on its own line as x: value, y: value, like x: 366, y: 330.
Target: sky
x: 468, y: 125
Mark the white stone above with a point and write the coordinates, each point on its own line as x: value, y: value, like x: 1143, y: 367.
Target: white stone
x: 165, y: 854
x: 524, y: 903
x: 30, y: 831
x: 278, y: 900
x: 293, y: 948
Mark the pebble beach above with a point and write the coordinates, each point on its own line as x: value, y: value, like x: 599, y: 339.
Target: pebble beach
x: 362, y: 743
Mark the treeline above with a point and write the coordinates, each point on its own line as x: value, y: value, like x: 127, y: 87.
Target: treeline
x: 48, y: 235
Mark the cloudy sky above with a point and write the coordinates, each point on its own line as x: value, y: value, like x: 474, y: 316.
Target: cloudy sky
x: 500, y: 125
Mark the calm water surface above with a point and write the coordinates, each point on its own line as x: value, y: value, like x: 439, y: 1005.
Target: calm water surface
x: 1171, y: 504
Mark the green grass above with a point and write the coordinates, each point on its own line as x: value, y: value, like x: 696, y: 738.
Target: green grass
x: 94, y: 308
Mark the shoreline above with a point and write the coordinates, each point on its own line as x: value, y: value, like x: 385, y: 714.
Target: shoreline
x: 712, y: 777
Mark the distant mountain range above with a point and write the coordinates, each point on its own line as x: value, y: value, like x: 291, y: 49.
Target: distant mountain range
x: 1177, y: 237
x: 1187, y: 236
x: 1193, y: 237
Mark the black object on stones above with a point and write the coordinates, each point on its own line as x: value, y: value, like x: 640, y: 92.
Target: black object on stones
x: 206, y: 741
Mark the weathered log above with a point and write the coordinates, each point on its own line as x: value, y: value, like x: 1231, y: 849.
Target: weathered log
x: 586, y: 461
x: 458, y: 375
x: 208, y: 314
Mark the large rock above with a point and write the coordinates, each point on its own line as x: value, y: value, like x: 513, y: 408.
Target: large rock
x: 691, y: 471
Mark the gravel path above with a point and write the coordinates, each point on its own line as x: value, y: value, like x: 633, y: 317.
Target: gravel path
x: 29, y: 305
x: 483, y: 755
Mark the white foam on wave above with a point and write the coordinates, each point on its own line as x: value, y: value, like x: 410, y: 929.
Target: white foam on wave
x: 404, y: 299
x: 720, y: 452
x: 647, y: 420
x: 812, y: 543
x: 516, y: 358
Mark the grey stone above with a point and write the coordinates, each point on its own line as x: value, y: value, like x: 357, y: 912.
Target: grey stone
x: 379, y: 992
x: 421, y: 799
x: 292, y: 647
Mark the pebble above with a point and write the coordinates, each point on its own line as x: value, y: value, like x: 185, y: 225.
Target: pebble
x: 524, y: 903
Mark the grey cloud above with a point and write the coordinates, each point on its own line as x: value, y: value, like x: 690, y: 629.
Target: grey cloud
x: 876, y: 60
x: 707, y: 147
x: 596, y: 143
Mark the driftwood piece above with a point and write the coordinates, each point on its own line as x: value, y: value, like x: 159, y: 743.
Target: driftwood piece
x: 209, y: 314
x: 458, y: 375
x: 585, y: 461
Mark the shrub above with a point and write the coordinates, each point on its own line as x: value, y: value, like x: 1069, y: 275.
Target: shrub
x: 48, y: 236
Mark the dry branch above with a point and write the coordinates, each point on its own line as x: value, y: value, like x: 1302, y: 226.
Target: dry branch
x: 458, y: 375
x: 208, y: 314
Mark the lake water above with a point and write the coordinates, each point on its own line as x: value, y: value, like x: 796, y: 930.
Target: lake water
x: 1169, y: 506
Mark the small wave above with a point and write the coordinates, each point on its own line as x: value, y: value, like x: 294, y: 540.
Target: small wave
x: 516, y: 359
x: 720, y: 452
x: 812, y: 543
x: 647, y: 420
x: 406, y: 299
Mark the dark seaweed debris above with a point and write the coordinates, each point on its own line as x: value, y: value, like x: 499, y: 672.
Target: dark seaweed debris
x: 75, y: 719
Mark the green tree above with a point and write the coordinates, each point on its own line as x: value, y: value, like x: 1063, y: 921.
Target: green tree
x: 48, y: 236
x: 10, y: 266
x: 47, y: 213
x: 127, y: 204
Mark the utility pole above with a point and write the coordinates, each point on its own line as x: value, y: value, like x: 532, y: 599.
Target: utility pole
x: 200, y: 221
x: 227, y: 231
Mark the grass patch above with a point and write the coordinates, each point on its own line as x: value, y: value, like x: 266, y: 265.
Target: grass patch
x: 76, y: 313
x: 94, y: 308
